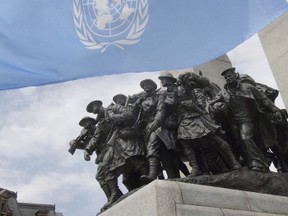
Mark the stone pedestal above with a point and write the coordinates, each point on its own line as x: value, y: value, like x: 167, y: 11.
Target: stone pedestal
x: 165, y: 198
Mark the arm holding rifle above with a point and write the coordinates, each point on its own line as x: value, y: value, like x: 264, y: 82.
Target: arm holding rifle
x: 82, y: 140
x: 79, y: 142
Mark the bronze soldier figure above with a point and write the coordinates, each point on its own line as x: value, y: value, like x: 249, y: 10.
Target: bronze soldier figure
x: 245, y: 103
x: 166, y: 119
x: 196, y: 128
x: 106, y: 178
x: 128, y: 153
x: 147, y: 102
x: 156, y: 140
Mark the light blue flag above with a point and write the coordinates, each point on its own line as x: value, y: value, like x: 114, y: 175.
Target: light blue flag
x: 51, y: 41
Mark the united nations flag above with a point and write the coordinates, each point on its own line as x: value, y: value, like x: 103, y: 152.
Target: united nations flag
x: 53, y: 41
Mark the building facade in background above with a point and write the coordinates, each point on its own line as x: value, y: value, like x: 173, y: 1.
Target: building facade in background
x: 9, y: 206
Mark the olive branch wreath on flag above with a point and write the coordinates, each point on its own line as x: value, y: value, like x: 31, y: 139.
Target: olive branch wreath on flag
x: 133, y: 36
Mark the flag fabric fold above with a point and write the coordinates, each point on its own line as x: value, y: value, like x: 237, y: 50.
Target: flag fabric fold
x: 52, y: 41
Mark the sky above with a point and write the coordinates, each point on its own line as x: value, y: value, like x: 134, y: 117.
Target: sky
x: 37, y: 124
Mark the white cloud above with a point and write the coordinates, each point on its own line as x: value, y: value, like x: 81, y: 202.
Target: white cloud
x: 56, y: 187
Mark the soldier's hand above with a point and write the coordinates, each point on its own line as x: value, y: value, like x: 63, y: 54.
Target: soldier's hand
x: 277, y: 116
x: 86, y: 156
x: 72, y: 143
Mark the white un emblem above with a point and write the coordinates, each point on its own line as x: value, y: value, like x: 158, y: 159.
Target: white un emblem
x: 102, y: 23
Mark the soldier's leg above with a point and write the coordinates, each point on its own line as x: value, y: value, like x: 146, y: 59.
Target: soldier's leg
x: 183, y: 168
x: 278, y: 152
x: 101, y: 179
x: 169, y: 162
x: 254, y: 156
x: 140, y: 165
x: 189, y: 152
x: 153, y: 158
x: 131, y: 180
x: 238, y: 149
x: 135, y: 168
x: 225, y: 151
x: 116, y: 193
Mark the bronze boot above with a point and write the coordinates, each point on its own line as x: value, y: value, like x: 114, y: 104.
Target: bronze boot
x: 106, y: 190
x: 154, y: 164
x: 228, y: 156
x: 191, y: 157
x: 116, y: 193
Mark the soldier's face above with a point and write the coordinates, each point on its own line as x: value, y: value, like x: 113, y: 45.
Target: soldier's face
x: 165, y: 82
x: 148, y: 88
x: 230, y: 77
x: 120, y: 101
x: 95, y: 109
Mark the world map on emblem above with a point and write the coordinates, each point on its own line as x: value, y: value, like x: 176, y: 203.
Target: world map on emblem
x: 109, y: 18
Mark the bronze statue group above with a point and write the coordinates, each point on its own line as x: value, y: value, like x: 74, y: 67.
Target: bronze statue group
x: 190, y: 119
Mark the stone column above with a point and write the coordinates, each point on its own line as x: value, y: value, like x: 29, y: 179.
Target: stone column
x: 274, y: 39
